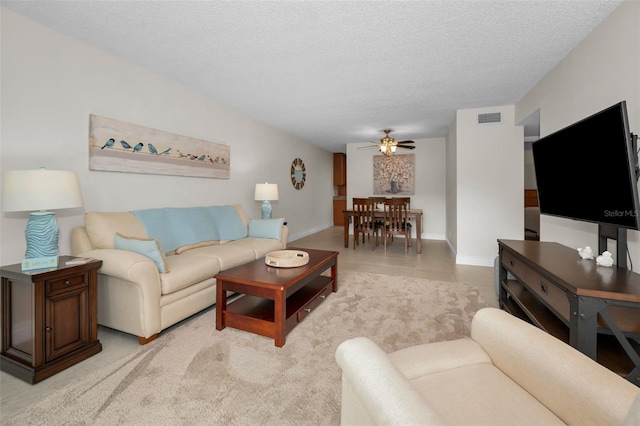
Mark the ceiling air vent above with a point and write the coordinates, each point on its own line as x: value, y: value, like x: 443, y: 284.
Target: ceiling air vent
x: 490, y: 117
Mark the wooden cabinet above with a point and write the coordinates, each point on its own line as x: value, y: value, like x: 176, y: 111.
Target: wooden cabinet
x: 339, y: 169
x: 595, y: 309
x: 340, y: 181
x: 49, y: 318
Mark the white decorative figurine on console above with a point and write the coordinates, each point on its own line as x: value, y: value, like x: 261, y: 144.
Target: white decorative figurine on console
x: 585, y: 253
x: 605, y: 259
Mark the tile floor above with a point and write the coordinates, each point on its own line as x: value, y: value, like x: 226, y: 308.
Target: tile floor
x: 436, y: 262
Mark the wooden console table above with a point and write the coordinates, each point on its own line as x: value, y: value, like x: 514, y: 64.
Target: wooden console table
x: 49, y: 318
x: 595, y: 309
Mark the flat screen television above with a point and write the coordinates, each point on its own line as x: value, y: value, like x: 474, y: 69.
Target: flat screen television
x: 588, y: 171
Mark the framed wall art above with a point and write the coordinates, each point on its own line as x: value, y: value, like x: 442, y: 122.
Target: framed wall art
x: 118, y: 146
x: 394, y: 174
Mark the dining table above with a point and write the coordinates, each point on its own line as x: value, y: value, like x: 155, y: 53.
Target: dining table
x: 415, y: 214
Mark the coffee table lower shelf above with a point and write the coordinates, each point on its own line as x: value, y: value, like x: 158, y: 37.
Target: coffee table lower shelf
x: 257, y: 314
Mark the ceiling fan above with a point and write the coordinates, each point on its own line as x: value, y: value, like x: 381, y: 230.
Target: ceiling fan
x: 388, y: 145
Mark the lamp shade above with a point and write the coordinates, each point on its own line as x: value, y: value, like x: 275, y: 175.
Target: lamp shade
x: 266, y: 192
x: 41, y: 189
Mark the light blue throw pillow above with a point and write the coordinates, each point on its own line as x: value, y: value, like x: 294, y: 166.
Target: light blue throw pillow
x: 265, y: 228
x: 149, y: 247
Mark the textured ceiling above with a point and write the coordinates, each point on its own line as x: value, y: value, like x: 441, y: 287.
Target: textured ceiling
x: 336, y: 72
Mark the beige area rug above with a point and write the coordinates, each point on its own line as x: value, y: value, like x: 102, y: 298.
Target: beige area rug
x: 196, y: 375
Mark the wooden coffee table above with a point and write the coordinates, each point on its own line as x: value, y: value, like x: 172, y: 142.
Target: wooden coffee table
x: 275, y: 299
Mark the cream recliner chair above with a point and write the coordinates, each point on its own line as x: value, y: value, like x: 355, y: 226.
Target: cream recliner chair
x: 507, y: 373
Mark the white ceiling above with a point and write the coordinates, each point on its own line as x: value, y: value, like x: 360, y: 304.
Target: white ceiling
x: 336, y: 72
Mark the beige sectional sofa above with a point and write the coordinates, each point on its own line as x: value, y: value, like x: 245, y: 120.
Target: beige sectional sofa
x: 507, y: 373
x: 158, y: 265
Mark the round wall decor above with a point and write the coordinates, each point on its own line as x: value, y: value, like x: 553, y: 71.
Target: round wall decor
x: 298, y: 173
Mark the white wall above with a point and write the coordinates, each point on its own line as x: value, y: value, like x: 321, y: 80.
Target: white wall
x: 601, y: 71
x: 429, y: 180
x: 50, y: 85
x: 452, y: 187
x: 489, y: 184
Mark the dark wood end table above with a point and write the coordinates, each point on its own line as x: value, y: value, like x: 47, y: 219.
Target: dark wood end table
x: 275, y: 299
x: 49, y: 318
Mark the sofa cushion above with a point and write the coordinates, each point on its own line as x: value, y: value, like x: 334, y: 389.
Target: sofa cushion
x: 186, y: 271
x: 103, y: 226
x: 420, y: 360
x: 182, y: 249
x: 266, y: 228
x: 260, y: 246
x: 228, y: 255
x: 432, y: 367
x: 482, y: 395
x: 149, y: 247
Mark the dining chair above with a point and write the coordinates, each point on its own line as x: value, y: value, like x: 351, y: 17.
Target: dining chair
x: 396, y: 218
x: 378, y: 201
x: 364, y: 221
x: 409, y: 224
x: 379, y: 205
x: 406, y: 199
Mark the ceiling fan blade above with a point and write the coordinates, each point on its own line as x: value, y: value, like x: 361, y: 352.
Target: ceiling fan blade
x: 406, y: 146
x: 368, y: 147
x: 405, y: 142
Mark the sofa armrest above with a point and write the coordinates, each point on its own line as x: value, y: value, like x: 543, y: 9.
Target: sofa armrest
x: 374, y: 391
x: 129, y: 291
x: 127, y: 265
x: 80, y: 241
x: 573, y: 386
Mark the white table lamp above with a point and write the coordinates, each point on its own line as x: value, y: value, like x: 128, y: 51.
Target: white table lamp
x: 38, y: 191
x: 266, y: 192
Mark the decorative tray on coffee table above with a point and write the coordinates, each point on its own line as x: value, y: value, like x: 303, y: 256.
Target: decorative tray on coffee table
x: 287, y: 258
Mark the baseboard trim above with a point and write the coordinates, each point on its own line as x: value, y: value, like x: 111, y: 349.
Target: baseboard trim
x: 470, y: 260
x: 474, y: 261
x: 306, y: 233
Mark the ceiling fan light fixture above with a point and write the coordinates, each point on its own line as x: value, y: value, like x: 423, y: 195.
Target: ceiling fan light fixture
x: 388, y: 145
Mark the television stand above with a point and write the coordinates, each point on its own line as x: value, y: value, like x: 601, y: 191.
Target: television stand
x: 617, y: 233
x: 594, y: 309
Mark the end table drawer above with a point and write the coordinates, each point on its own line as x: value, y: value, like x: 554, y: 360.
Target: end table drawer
x: 65, y: 284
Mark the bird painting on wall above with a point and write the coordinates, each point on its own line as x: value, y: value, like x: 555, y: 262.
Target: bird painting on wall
x: 119, y: 146
x: 152, y: 149
x: 109, y: 143
x: 138, y: 148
